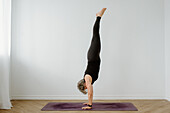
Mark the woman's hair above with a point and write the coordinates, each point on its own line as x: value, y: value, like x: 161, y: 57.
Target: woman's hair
x: 81, y: 87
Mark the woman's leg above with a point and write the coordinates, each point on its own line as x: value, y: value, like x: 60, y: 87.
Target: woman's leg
x: 94, y: 50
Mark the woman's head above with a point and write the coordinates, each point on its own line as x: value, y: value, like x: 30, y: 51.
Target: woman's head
x: 81, y: 86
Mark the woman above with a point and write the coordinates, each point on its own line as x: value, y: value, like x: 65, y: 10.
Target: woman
x: 93, y: 56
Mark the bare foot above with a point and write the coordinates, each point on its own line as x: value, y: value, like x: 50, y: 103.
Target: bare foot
x: 101, y: 12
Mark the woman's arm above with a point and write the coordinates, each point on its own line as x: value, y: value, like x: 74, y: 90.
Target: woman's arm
x: 88, y: 80
x: 90, y: 93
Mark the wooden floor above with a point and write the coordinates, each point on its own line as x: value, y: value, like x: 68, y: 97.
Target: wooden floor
x: 35, y: 106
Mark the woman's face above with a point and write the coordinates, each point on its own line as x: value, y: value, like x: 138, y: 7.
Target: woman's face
x: 85, y: 86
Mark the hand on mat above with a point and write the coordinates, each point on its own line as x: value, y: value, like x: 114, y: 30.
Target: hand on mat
x: 85, y: 103
x: 87, y: 107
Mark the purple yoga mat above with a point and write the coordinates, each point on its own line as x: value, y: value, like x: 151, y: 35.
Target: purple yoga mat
x: 97, y: 106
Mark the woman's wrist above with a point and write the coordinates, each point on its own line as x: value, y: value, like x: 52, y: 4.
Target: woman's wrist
x: 89, y: 105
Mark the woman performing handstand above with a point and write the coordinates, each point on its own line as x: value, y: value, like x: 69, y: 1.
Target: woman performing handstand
x: 93, y: 56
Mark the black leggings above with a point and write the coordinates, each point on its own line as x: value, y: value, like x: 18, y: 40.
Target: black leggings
x: 94, y: 50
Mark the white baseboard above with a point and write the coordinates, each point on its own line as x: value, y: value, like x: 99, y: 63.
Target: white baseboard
x: 79, y: 97
x: 168, y: 98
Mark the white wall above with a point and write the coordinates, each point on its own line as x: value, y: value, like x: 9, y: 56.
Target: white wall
x: 50, y: 39
x: 167, y: 47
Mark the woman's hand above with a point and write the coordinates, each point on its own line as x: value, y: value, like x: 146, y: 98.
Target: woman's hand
x: 87, y: 107
x: 85, y: 103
